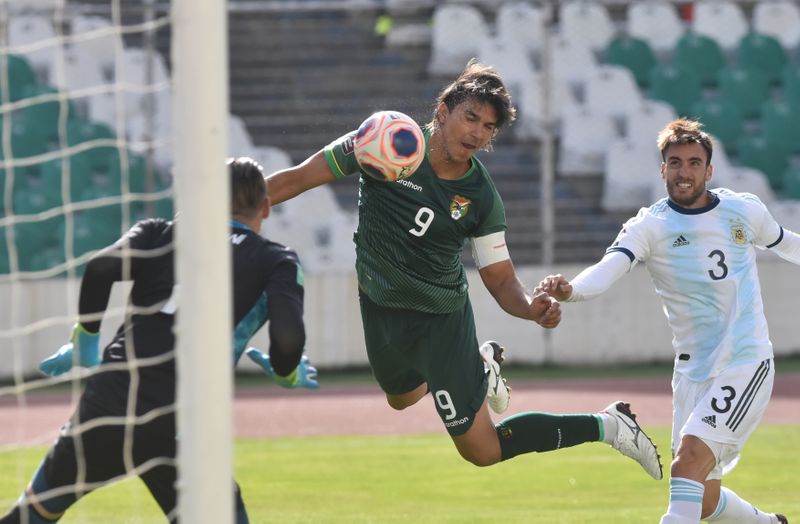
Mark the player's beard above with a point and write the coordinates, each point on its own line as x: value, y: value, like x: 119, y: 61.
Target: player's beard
x: 682, y: 199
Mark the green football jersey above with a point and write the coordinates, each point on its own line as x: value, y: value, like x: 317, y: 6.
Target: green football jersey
x: 411, y: 232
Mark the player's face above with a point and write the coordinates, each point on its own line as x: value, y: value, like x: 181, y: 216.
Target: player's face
x: 465, y: 130
x: 685, y: 173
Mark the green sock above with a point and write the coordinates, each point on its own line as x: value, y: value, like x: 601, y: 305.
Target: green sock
x: 533, y: 431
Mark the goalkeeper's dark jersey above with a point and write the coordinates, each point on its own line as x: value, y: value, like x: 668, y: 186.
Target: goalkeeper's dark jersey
x: 267, y: 276
x: 411, y: 232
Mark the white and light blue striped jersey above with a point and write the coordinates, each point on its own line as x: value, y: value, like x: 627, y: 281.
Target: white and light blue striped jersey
x: 703, y: 264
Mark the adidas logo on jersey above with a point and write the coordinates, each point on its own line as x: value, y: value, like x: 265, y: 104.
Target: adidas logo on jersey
x: 711, y: 420
x: 680, y: 241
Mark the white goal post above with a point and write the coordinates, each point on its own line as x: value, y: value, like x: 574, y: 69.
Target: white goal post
x: 205, y: 391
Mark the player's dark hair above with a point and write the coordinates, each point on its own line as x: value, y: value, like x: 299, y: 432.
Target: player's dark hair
x: 482, y: 83
x: 248, y: 188
x: 684, y: 131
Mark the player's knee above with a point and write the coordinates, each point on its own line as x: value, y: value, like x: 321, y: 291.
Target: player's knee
x: 397, y: 403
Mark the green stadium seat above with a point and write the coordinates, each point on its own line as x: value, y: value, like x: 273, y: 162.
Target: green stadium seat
x: 791, y: 183
x: 634, y: 54
x: 747, y: 89
x: 763, y: 53
x: 790, y: 84
x: 678, y: 87
x: 34, y: 238
x: 33, y: 194
x: 20, y: 76
x: 780, y: 124
x: 92, y: 232
x: 24, y: 143
x: 700, y: 55
x: 722, y: 119
x: 80, y: 174
x: 42, y: 118
x: 770, y: 159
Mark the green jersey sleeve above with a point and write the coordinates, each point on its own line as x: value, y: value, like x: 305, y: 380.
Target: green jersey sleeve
x: 341, y: 157
x: 493, y: 217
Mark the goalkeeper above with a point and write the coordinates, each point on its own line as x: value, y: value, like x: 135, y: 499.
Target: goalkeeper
x: 267, y: 285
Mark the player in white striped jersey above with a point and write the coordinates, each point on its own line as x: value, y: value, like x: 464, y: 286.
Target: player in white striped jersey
x: 699, y: 246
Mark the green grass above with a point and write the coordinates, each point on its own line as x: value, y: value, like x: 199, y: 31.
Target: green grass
x: 421, y: 479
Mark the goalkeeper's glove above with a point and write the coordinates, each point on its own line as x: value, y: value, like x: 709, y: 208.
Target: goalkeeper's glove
x: 83, y: 349
x: 303, y: 376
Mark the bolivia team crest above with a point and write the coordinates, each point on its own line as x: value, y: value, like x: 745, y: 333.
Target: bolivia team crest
x: 459, y: 207
x: 739, y: 234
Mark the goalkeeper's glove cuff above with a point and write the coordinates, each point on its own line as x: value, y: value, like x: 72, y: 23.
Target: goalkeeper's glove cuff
x: 289, y: 381
x: 87, y: 344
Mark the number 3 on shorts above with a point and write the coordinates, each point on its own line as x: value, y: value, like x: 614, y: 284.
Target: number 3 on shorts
x: 445, y: 403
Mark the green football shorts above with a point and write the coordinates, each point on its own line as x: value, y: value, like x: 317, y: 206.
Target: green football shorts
x: 407, y: 348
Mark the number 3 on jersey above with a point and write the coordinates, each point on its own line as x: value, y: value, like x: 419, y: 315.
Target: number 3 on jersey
x: 423, y: 220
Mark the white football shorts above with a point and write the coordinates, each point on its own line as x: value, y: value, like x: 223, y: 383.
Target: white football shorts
x: 723, y: 411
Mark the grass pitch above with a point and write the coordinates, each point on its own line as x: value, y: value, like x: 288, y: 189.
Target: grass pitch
x: 421, y: 479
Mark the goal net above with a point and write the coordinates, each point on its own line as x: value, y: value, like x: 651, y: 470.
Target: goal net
x: 89, y: 92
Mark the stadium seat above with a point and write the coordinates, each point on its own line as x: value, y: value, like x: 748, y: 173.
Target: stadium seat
x: 523, y: 24
x: 701, y: 55
x: 80, y: 174
x: 42, y: 118
x: 720, y: 20
x: 678, y: 87
x: 97, y: 37
x: 722, y: 119
x: 530, y: 122
x: 763, y: 53
x: 572, y: 62
x: 633, y: 53
x: 643, y: 121
x: 656, y: 22
x: 24, y: 142
x: 780, y: 123
x: 747, y: 89
x: 457, y: 30
x: 81, y: 71
x: 39, y: 243
x: 631, y: 174
x: 779, y: 19
x: 35, y: 194
x: 751, y: 180
x: 790, y: 84
x: 20, y: 75
x: 611, y: 90
x: 511, y: 60
x: 770, y: 159
x: 585, y: 136
x: 586, y: 22
x: 24, y: 29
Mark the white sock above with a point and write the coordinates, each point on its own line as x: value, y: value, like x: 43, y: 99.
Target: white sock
x: 685, y: 502
x: 733, y: 510
x: 609, y: 424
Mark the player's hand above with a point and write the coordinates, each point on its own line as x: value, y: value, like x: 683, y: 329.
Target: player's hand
x: 303, y: 376
x: 83, y: 349
x: 556, y: 286
x: 545, y: 310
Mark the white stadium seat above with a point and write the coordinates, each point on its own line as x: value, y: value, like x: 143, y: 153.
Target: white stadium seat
x: 589, y: 22
x: 530, y: 120
x: 632, y: 172
x: 572, y: 62
x: 612, y: 90
x: 457, y: 32
x: 720, y: 20
x: 646, y: 119
x: 779, y: 19
x: 27, y: 30
x: 96, y: 35
x: 657, y: 23
x: 523, y: 24
x: 585, y: 136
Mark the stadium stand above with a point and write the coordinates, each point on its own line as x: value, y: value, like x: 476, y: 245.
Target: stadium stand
x: 678, y: 87
x: 634, y: 54
x: 457, y: 32
x: 721, y: 20
x: 700, y: 55
x: 763, y: 53
x: 747, y: 89
x: 586, y: 23
x: 655, y: 22
x: 721, y: 118
x: 779, y: 19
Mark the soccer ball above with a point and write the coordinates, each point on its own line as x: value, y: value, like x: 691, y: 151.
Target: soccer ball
x: 389, y: 146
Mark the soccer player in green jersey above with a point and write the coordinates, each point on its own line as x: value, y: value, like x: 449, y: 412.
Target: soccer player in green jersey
x: 417, y: 318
